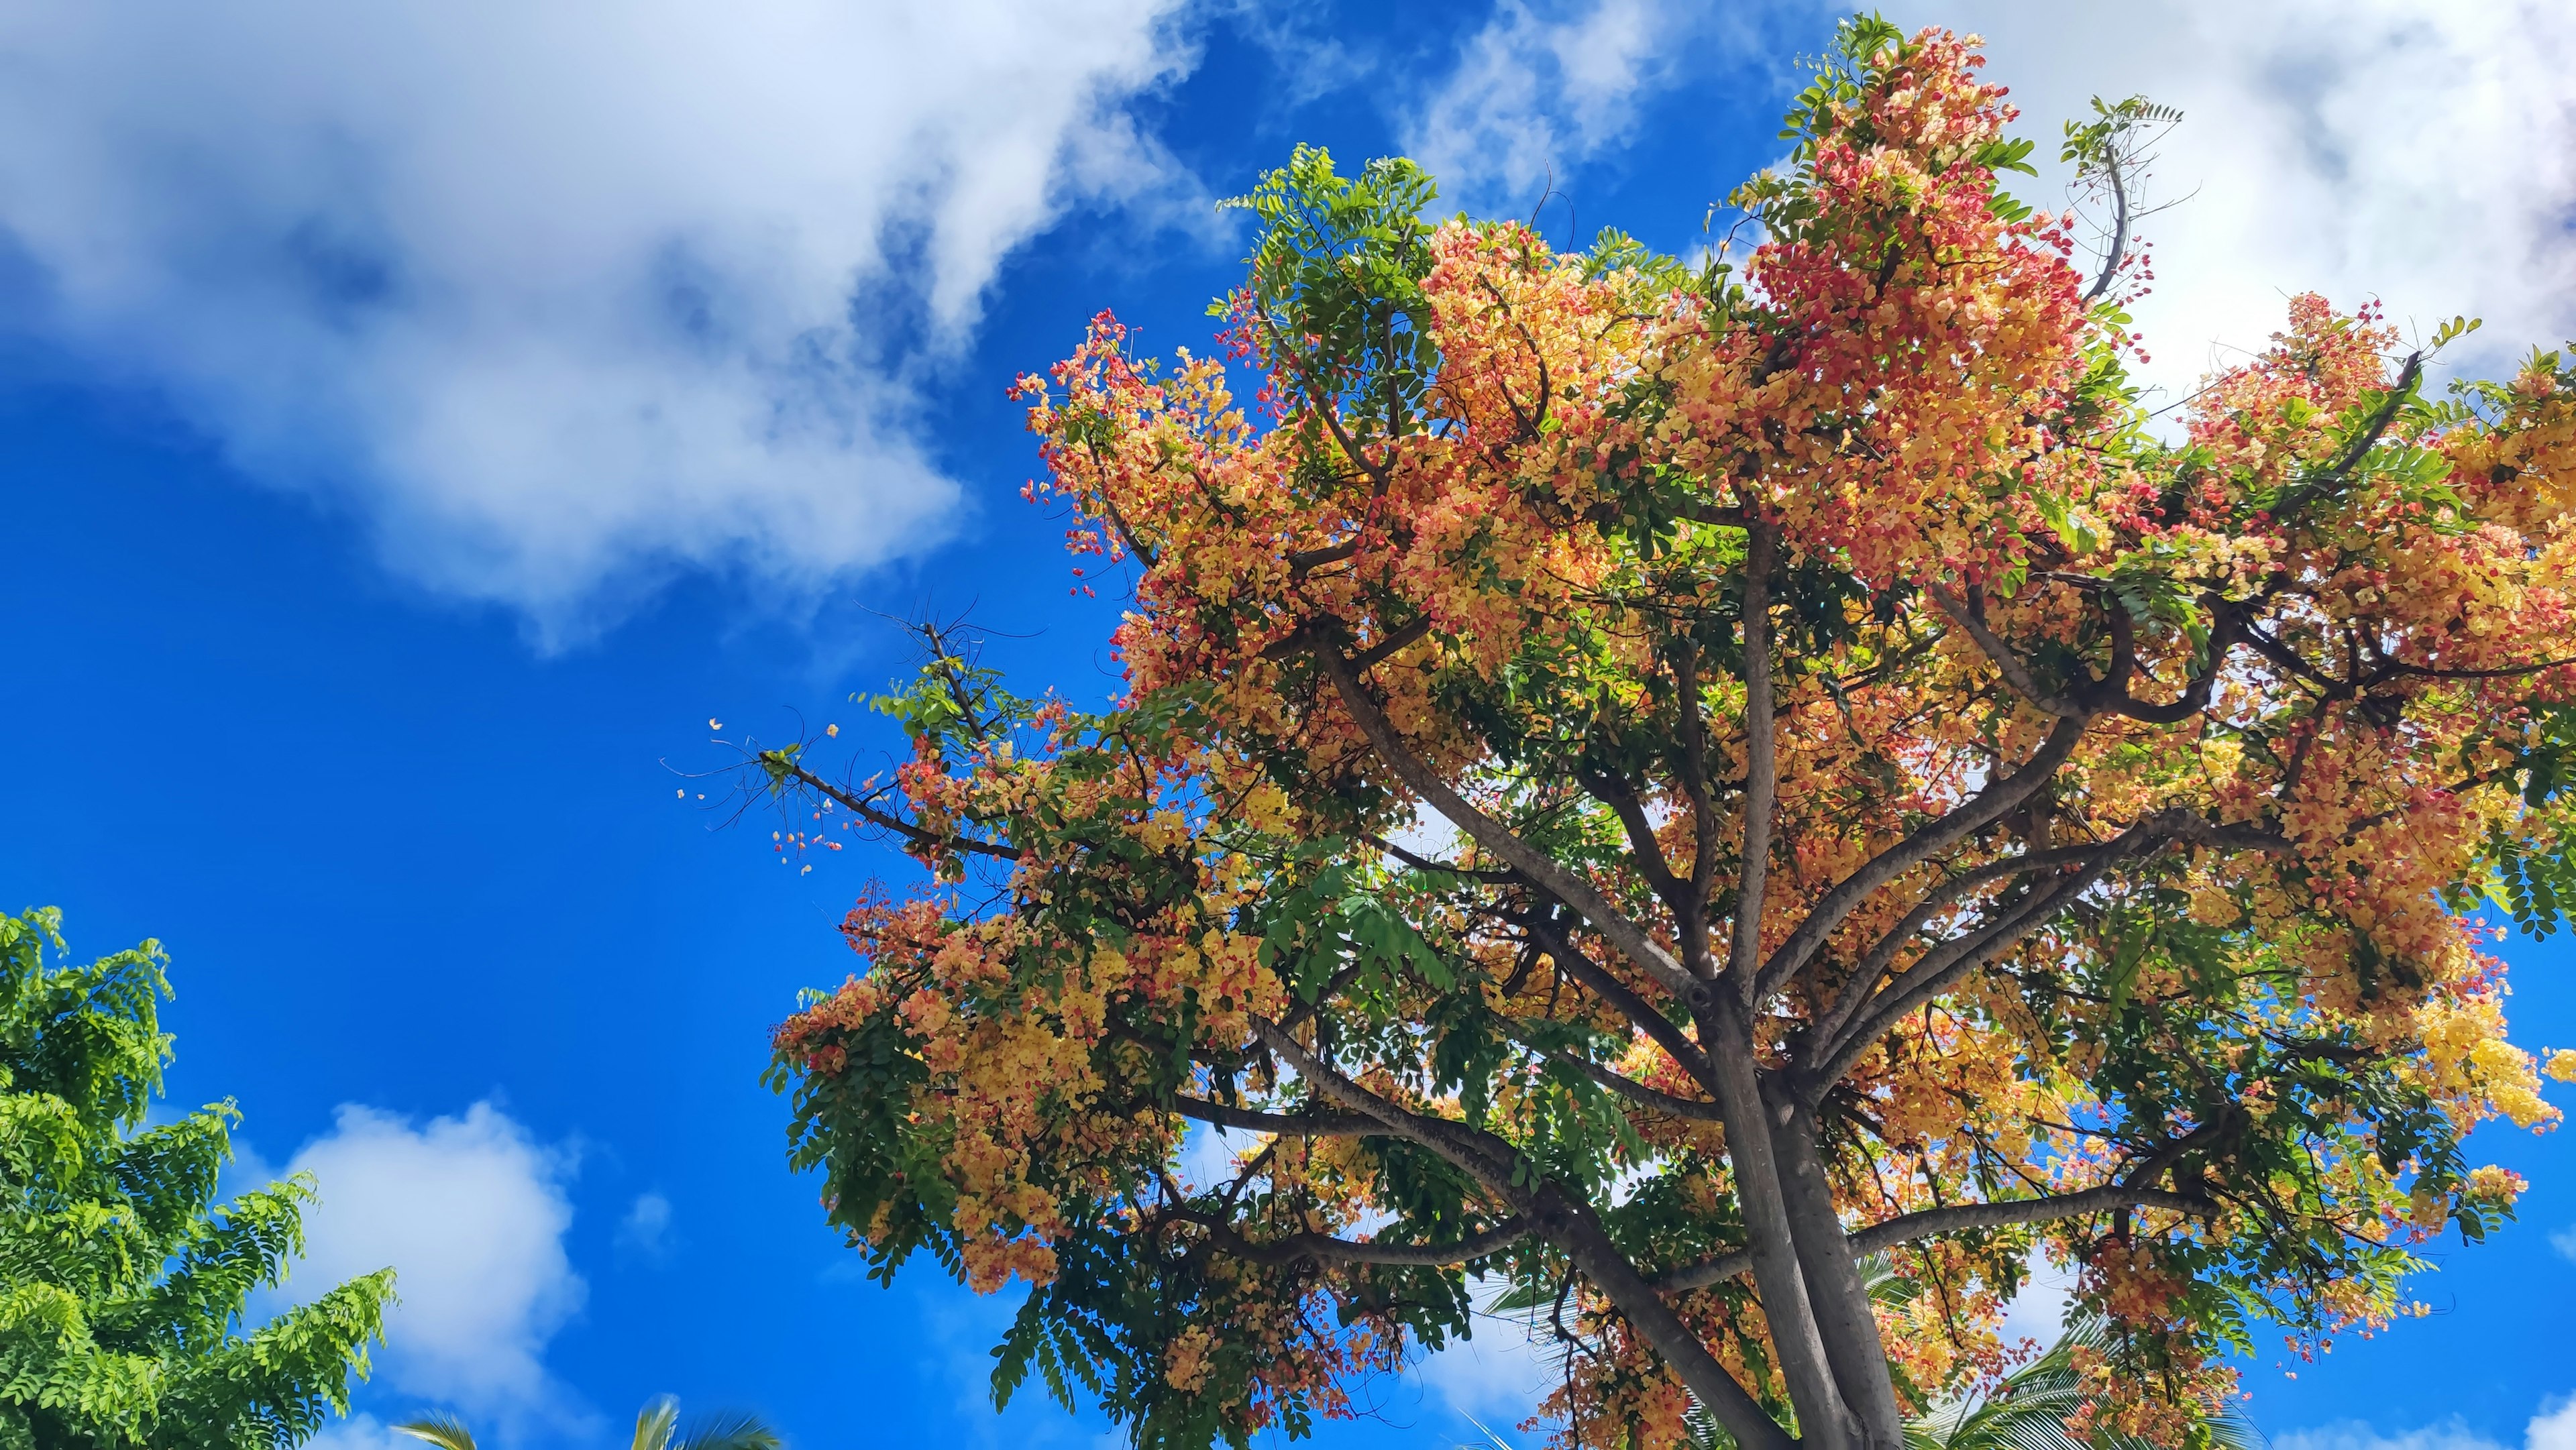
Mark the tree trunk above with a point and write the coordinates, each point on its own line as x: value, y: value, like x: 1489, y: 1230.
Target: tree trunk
x: 1824, y: 1422
x: 1845, y: 1319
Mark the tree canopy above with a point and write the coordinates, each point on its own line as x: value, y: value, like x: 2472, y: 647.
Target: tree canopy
x: 1644, y: 782
x: 124, y: 1282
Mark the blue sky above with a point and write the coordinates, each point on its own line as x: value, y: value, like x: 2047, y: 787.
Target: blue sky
x: 418, y: 422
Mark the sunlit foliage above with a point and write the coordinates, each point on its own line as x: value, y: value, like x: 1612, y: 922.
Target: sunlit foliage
x: 124, y: 1280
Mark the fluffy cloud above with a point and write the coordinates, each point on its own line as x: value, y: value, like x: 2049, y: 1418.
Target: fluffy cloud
x: 2552, y: 1429
x: 563, y: 296
x: 470, y: 1212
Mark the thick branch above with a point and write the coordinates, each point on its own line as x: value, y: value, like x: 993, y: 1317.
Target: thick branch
x: 1542, y: 869
x: 1302, y: 562
x: 1315, y: 399
x: 1421, y: 862
x: 2119, y: 228
x: 1955, y: 1218
x: 1941, y: 967
x: 1643, y: 846
x: 2293, y: 500
x: 1598, y: 980
x: 1648, y: 1097
x: 1306, y: 1124
x: 1999, y: 798
x: 1703, y: 804
x: 2016, y: 673
x: 1864, y: 978
x: 1394, y: 640
x: 2223, y: 635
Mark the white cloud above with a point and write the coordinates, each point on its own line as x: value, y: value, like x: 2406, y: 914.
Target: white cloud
x: 2417, y: 151
x: 470, y: 1213
x: 1534, y: 95
x: 567, y: 296
x: 1207, y: 1154
x: 2564, y: 1241
x: 2554, y: 1428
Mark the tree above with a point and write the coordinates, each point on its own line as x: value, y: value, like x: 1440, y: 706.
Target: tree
x: 1643, y: 782
x: 657, y: 1427
x: 124, y: 1282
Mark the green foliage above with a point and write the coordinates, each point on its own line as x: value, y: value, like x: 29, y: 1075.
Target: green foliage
x: 1335, y: 283
x: 2098, y: 143
x: 121, y: 1323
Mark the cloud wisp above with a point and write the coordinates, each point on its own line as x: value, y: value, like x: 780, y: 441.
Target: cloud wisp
x: 1535, y: 94
x: 562, y: 298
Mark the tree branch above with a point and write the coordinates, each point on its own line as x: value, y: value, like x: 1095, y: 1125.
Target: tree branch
x: 1974, y: 814
x: 1864, y: 978
x: 1703, y: 803
x: 1598, y: 980
x: 1541, y: 868
x: 1643, y: 845
x: 861, y: 807
x: 1325, y: 1248
x: 1955, y: 1218
x: 2293, y: 500
x: 2119, y: 229
x: 1627, y: 1087
x: 1307, y: 1124
x: 2016, y: 673
x: 1943, y: 966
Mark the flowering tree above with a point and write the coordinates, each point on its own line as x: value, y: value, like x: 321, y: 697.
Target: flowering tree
x: 1661, y: 793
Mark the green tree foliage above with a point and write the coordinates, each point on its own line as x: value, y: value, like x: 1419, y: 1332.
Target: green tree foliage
x: 123, y: 1316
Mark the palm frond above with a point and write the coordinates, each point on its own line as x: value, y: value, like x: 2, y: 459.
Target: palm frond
x: 653, y: 1423
x: 444, y: 1431
x: 729, y: 1432
x: 2028, y: 1410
